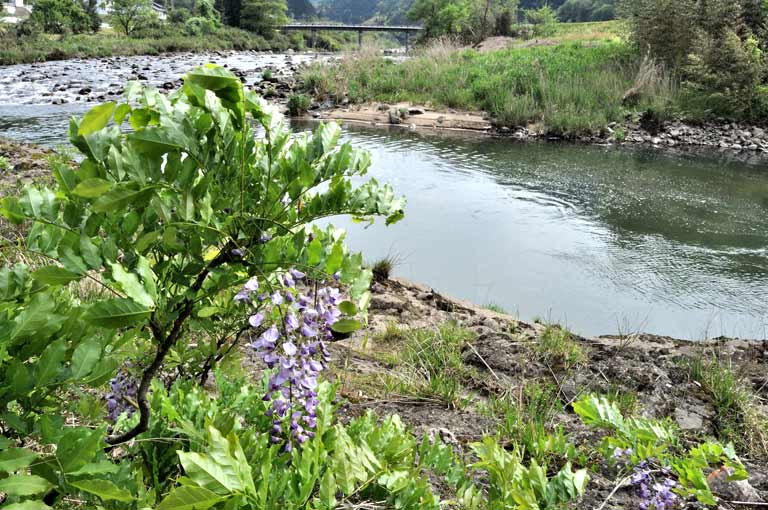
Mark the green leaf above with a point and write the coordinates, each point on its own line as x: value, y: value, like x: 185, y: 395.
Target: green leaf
x: 104, y: 489
x: 189, y: 498
x: 55, y: 275
x: 119, y: 198
x: 24, y: 485
x: 27, y: 505
x: 92, y: 188
x: 131, y: 286
x: 328, y: 491
x: 85, y: 358
x: 348, y: 308
x: 50, y: 363
x: 90, y: 252
x: 346, y: 326
x: 121, y: 112
x: 207, y: 473
x: 96, y: 119
x: 96, y: 468
x: 116, y: 313
x: 15, y: 459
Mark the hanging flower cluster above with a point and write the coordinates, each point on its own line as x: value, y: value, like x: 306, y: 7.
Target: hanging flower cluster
x: 122, y: 395
x: 654, y: 486
x: 294, y: 345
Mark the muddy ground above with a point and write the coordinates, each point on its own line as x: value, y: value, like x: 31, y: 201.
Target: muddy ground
x: 645, y: 365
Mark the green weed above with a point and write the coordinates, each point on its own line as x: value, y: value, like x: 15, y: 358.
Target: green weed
x: 430, y: 362
x: 495, y: 308
x: 737, y: 419
x: 557, y: 346
x: 298, y: 104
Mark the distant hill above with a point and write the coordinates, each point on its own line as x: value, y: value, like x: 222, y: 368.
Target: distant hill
x: 301, y: 9
x: 360, y: 11
x: 396, y: 11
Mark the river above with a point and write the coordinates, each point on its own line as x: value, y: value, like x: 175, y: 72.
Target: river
x: 601, y: 239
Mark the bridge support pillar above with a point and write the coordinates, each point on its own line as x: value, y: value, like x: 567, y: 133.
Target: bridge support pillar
x: 359, y: 39
x: 313, y: 39
x: 407, y: 41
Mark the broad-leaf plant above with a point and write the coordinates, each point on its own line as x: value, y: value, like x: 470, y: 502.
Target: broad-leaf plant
x: 137, y: 254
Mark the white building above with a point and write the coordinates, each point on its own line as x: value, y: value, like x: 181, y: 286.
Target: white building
x: 13, y: 11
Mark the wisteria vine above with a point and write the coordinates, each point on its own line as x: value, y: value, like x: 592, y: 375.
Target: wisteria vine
x: 293, y: 345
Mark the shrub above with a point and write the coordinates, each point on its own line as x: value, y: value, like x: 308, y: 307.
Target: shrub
x: 298, y: 104
x: 200, y: 26
x: 167, y: 223
x: 179, y: 15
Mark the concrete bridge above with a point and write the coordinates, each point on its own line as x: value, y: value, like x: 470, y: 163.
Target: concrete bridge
x: 316, y: 27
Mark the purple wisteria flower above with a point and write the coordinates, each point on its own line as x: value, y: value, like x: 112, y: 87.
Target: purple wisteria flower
x: 123, y: 391
x: 654, y: 486
x: 294, y: 348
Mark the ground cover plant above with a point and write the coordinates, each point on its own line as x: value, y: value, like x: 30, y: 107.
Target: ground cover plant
x: 570, y: 88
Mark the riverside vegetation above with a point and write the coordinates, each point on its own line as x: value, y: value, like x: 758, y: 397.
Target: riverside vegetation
x: 714, y: 71
x: 173, y: 338
x: 61, y: 29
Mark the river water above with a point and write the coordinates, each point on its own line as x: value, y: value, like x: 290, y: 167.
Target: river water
x: 604, y: 240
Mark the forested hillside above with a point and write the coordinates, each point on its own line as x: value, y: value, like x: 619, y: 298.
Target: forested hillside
x: 301, y: 9
x: 396, y: 11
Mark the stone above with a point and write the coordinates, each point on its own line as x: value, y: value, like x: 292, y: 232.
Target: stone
x: 416, y: 111
x: 393, y: 118
x: 386, y: 302
x: 688, y: 420
x: 732, y: 490
x: 84, y: 91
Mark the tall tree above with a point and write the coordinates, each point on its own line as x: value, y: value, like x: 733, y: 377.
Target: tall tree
x: 263, y: 16
x: 129, y: 15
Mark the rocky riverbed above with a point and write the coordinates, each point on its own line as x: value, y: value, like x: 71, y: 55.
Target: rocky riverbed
x: 502, y: 353
x: 98, y: 80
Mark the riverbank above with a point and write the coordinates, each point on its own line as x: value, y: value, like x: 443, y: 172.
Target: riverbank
x: 731, y: 136
x: 596, y: 92
x: 487, y: 373
x: 47, y: 47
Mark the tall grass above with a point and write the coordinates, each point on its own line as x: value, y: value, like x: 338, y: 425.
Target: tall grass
x: 567, y: 89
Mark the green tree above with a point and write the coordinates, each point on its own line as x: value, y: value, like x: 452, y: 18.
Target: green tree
x: 263, y: 16
x: 129, y: 15
x: 442, y: 17
x: 543, y: 19
x: 60, y: 16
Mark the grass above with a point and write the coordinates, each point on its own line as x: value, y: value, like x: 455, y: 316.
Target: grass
x: 5, y: 164
x: 382, y: 269
x: 557, y: 346
x: 495, y: 308
x: 526, y: 420
x: 429, y: 363
x: 737, y: 418
x: 567, y: 89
